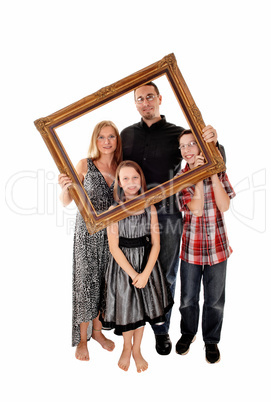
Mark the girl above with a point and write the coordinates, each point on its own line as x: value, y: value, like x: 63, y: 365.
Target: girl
x: 136, y: 290
x: 90, y: 256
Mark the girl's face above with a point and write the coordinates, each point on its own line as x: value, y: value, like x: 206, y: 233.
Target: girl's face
x: 130, y: 181
x: 107, y: 140
x: 189, y: 149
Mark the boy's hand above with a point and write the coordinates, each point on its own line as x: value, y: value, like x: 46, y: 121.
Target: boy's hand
x: 199, y: 160
x: 209, y: 134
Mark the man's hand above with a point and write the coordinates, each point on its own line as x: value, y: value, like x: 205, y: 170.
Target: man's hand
x: 209, y: 134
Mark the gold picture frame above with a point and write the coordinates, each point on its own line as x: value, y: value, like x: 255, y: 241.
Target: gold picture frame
x: 165, y: 67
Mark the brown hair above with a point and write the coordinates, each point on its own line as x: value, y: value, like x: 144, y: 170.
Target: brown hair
x: 188, y: 131
x: 118, y: 192
x: 93, y: 151
x: 151, y: 84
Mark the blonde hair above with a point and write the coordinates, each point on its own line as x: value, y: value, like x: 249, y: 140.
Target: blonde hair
x: 93, y: 151
x: 118, y: 192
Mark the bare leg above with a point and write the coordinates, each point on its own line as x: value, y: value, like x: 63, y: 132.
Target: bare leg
x: 140, y: 362
x: 81, y: 352
x: 124, y: 361
x: 97, y: 334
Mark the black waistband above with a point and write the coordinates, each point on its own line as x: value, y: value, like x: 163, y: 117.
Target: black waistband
x: 143, y: 241
x: 134, y: 242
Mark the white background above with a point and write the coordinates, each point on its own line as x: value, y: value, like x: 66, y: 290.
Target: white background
x: 54, y: 53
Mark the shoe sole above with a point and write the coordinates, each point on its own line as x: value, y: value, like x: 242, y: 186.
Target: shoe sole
x: 217, y: 361
x: 213, y: 362
x: 185, y: 353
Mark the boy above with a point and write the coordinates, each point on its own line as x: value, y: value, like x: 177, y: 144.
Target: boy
x: 204, y: 252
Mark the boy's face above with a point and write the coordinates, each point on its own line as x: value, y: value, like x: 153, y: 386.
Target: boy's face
x: 189, y: 149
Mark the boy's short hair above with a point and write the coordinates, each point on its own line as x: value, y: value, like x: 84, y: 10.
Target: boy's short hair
x: 187, y: 131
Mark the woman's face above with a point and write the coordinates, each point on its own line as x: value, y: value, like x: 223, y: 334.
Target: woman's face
x: 130, y: 181
x: 107, y: 140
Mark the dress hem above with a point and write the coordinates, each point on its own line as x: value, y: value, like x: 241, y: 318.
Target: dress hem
x: 119, y: 329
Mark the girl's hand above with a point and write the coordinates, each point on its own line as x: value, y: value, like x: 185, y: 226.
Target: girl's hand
x: 140, y: 280
x: 64, y: 181
x: 199, y: 160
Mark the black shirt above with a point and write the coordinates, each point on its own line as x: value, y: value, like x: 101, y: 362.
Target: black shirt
x: 154, y: 148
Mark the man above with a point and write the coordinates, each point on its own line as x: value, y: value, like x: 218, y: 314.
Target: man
x: 153, y: 144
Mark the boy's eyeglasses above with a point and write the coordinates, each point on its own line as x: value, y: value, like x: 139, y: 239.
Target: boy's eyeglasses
x: 148, y: 98
x: 189, y: 145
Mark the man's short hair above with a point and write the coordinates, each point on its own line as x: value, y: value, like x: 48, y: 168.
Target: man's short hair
x: 151, y: 84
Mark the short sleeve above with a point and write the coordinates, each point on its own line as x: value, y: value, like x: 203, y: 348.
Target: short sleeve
x: 184, y: 197
x: 223, y: 177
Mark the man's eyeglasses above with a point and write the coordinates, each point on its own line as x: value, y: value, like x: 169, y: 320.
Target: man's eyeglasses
x: 148, y: 98
x: 189, y: 145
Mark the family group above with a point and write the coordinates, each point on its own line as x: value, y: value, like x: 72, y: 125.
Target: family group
x: 125, y: 276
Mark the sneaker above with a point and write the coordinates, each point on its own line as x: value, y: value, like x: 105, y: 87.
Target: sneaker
x: 183, y: 344
x: 163, y: 344
x: 212, y: 353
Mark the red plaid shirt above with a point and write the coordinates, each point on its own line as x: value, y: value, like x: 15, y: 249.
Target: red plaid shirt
x: 204, y: 239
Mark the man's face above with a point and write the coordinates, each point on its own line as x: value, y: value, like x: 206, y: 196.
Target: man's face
x: 148, y: 109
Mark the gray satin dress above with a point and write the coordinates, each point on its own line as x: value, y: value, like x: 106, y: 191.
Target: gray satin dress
x: 126, y: 307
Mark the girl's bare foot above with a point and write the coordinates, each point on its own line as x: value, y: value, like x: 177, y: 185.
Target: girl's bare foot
x: 141, y: 364
x: 81, y: 352
x: 124, y: 361
x: 107, y: 344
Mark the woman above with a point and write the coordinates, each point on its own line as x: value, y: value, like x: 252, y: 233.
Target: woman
x: 90, y: 255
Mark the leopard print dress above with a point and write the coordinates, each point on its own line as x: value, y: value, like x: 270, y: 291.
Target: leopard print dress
x: 90, y: 256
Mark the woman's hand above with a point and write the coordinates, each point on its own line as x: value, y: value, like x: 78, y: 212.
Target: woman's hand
x: 64, y: 181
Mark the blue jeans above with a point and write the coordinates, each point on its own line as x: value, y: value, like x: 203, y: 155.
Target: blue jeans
x: 170, y: 238
x: 214, y: 279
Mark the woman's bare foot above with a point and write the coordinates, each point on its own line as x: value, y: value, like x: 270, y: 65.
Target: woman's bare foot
x: 107, y: 344
x: 141, y: 364
x: 81, y: 352
x: 124, y: 361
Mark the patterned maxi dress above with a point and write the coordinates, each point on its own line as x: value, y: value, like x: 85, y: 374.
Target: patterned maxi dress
x: 90, y: 256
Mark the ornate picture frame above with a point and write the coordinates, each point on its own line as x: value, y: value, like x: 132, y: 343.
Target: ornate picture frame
x: 165, y: 67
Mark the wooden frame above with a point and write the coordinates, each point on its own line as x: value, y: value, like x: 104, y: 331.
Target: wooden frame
x: 47, y: 126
